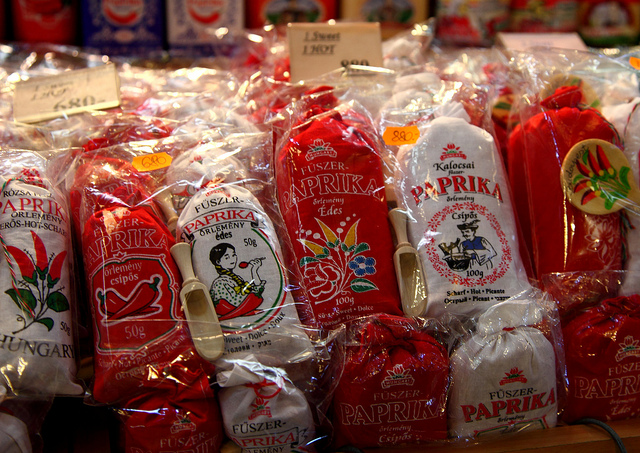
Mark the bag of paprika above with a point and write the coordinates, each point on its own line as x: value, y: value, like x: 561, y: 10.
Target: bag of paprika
x: 603, y: 359
x: 38, y: 343
x: 394, y: 384
x: 331, y: 192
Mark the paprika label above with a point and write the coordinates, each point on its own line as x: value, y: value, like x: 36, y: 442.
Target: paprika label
x: 37, y: 341
x: 236, y: 253
x: 503, y: 379
x: 134, y: 286
x: 465, y: 230
x: 393, y: 387
x: 262, y: 410
x: 331, y: 191
x: 603, y: 361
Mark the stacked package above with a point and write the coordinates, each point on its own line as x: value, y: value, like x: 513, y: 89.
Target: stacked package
x: 390, y: 259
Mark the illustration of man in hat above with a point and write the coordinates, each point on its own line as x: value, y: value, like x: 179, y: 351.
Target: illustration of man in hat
x: 477, y: 247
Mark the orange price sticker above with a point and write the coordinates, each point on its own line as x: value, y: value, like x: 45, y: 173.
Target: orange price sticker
x: 634, y: 62
x: 149, y: 162
x: 395, y: 136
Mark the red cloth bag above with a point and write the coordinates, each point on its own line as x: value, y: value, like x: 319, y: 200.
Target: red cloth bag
x: 139, y: 330
x: 562, y: 238
x: 185, y: 418
x: 331, y: 192
x: 603, y: 361
x: 393, y: 387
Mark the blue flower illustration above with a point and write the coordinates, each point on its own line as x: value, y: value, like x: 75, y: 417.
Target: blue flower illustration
x: 362, y: 266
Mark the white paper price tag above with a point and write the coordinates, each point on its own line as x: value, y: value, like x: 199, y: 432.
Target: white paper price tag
x: 316, y: 49
x: 524, y: 41
x: 44, y: 98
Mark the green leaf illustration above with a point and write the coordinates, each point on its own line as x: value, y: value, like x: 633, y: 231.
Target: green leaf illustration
x: 50, y: 282
x: 360, y: 285
x: 577, y: 178
x: 57, y: 302
x: 33, y: 279
x: 362, y: 247
x: 624, y: 177
x: 306, y: 260
x: 25, y: 297
x: 46, y: 322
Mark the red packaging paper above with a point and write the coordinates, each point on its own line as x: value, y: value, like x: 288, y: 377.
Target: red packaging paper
x: 134, y: 286
x: 603, y: 361
x: 393, y: 387
x: 331, y: 192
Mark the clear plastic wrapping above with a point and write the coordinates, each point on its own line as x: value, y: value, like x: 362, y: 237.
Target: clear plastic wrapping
x: 39, y: 342
x: 394, y: 383
x: 454, y: 188
x: 236, y: 251
x: 508, y: 375
x: 330, y: 177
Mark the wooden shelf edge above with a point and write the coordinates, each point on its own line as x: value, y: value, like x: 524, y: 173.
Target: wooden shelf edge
x: 561, y: 439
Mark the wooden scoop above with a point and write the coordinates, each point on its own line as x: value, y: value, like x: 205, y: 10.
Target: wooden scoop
x: 409, y: 272
x: 597, y: 178
x: 164, y: 200
x: 198, y: 307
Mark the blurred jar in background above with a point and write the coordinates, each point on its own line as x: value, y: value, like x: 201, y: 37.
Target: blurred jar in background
x: 51, y: 21
x: 605, y: 23
x: 544, y: 16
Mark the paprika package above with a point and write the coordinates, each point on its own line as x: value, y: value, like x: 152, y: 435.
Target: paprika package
x: 37, y: 298
x: 236, y: 253
x: 131, y: 279
x: 184, y: 416
x: 394, y: 384
x: 603, y: 360
x: 262, y: 408
x: 455, y: 190
x: 562, y: 238
x: 503, y: 377
x: 331, y: 192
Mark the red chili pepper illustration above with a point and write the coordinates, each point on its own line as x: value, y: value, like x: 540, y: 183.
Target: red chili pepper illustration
x: 584, y: 184
x: 584, y: 169
x: 42, y: 262
x: 588, y: 196
x: 603, y: 160
x: 27, y: 269
x: 56, y: 266
x: 593, y: 163
x: 138, y: 303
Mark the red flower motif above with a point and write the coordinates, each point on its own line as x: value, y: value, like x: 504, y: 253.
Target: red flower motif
x: 321, y: 279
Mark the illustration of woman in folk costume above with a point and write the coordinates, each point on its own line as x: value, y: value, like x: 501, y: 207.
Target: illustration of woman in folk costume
x: 230, y: 293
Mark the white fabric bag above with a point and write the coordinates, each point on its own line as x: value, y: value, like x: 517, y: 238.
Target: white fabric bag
x: 503, y: 378
x: 455, y: 190
x: 236, y: 253
x: 37, y: 344
x: 262, y: 409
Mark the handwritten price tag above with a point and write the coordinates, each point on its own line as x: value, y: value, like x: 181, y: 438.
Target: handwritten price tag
x: 149, y: 162
x: 44, y: 98
x: 315, y: 49
x: 396, y: 136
